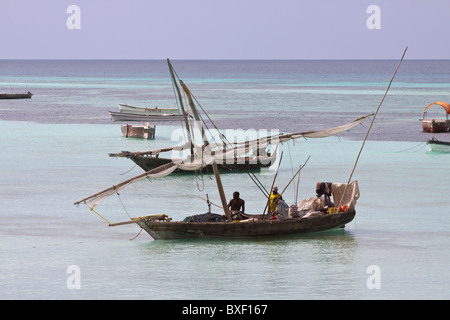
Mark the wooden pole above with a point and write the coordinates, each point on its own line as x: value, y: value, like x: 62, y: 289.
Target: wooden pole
x: 221, y: 192
x: 156, y: 170
x: 368, y: 131
x: 182, y: 108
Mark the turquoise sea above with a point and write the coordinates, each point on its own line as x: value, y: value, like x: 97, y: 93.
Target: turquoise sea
x: 55, y: 151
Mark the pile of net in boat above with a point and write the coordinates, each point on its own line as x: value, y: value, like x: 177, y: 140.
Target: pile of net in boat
x: 205, y: 217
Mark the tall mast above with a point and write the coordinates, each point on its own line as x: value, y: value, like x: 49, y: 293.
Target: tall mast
x: 206, y: 143
x: 182, y: 108
x: 195, y: 113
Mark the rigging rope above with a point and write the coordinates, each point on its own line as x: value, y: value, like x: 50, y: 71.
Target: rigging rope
x: 118, y: 194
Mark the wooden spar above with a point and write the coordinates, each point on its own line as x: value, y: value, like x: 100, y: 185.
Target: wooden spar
x: 221, y: 192
x: 206, y: 143
x: 151, y: 218
x: 370, y: 127
x: 195, y: 113
x: 182, y: 108
x: 297, y: 192
x: 156, y: 170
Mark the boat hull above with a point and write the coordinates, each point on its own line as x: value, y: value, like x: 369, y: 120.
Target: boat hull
x: 123, y: 116
x: 435, y: 125
x: 438, y: 146
x: 125, y: 108
x: 164, y: 230
x: 138, y: 131
x: 149, y: 163
x: 16, y: 95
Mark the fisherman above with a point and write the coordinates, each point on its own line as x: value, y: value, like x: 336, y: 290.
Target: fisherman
x: 237, y: 207
x: 274, y: 197
x: 323, y: 190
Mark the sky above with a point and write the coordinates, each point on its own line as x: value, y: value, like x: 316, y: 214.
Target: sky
x: 224, y: 29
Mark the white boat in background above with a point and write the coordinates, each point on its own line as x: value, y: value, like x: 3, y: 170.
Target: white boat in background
x: 123, y: 107
x: 126, y: 117
x: 132, y: 113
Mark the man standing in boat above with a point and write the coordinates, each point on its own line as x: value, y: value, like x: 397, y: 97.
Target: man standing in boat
x: 237, y: 206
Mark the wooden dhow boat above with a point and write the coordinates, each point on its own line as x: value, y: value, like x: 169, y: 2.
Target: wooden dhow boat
x: 162, y: 227
x: 314, y: 215
x: 230, y: 156
x: 436, y: 125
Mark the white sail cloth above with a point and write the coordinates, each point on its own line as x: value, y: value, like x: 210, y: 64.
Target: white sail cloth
x: 351, y: 194
x: 156, y: 173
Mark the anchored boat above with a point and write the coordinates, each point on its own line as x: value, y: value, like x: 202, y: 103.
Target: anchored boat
x: 143, y: 131
x: 436, y: 125
x: 435, y: 145
x: 27, y: 95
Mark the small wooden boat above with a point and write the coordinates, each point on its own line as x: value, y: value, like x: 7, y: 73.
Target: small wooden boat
x: 143, y: 131
x: 123, y: 107
x: 316, y: 218
x: 435, y: 145
x: 436, y: 125
x: 27, y: 95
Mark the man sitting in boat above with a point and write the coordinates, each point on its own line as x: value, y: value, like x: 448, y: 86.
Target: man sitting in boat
x: 237, y: 207
x: 323, y: 190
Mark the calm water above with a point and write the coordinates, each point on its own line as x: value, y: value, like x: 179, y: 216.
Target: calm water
x: 55, y: 152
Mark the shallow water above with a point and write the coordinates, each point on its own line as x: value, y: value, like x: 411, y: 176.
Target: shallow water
x: 400, y: 226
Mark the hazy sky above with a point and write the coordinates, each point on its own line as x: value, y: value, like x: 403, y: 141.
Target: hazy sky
x: 224, y: 29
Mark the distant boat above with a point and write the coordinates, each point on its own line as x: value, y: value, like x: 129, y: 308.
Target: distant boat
x: 143, y: 131
x: 126, y: 116
x: 142, y: 114
x: 123, y: 107
x: 435, y: 145
x: 27, y: 95
x: 436, y: 125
